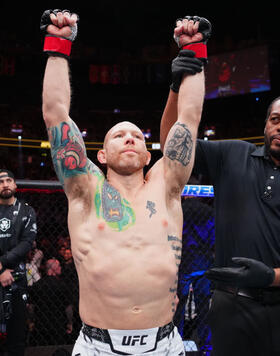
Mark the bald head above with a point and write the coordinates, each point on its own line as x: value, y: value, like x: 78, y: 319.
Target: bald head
x: 124, y: 125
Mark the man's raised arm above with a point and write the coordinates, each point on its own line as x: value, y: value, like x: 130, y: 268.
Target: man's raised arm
x: 179, y: 148
x: 180, y: 142
x: 190, y: 60
x: 60, y: 30
x: 67, y: 145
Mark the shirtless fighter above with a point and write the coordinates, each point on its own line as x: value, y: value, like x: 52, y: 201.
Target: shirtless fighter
x: 125, y: 228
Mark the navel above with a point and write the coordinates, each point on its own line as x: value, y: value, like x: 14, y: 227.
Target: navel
x: 164, y: 222
x: 136, y: 310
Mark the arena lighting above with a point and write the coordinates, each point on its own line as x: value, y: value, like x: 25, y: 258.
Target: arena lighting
x: 92, y: 145
x: 209, y: 131
x: 17, y: 128
x: 45, y: 144
x: 84, y: 133
x: 147, y: 133
x: 155, y: 146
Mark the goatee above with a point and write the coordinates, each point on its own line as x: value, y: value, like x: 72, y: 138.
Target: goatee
x: 7, y: 194
x: 271, y: 152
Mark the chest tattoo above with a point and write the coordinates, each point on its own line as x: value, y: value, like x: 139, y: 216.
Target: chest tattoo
x: 110, y: 206
x: 151, y: 207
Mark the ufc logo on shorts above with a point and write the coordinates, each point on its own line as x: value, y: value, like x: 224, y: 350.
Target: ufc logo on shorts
x: 134, y: 340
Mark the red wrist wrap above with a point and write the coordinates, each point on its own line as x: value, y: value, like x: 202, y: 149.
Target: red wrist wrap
x: 57, y: 44
x: 199, y: 48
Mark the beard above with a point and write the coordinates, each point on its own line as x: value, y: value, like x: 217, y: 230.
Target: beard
x: 126, y: 169
x: 7, y: 194
x: 274, y: 152
x: 127, y: 165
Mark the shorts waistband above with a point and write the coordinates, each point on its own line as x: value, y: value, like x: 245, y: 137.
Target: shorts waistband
x: 103, y: 335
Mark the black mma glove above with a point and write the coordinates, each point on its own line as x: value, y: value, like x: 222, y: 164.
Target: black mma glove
x: 57, y: 45
x: 184, y: 63
x: 200, y: 48
x: 250, y: 274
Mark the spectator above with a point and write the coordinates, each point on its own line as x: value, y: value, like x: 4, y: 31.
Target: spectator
x: 34, y: 260
x: 52, y: 306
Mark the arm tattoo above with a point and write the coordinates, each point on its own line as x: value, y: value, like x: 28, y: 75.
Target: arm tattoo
x: 180, y: 146
x: 176, y: 246
x: 151, y: 206
x: 68, y: 151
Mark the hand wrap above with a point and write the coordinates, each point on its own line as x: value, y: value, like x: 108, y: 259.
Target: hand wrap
x: 199, y: 48
x: 57, y: 45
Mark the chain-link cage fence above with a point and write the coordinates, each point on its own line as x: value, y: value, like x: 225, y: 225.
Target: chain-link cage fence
x: 194, y: 290
x: 52, y: 308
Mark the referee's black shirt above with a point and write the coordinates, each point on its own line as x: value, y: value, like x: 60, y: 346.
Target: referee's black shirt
x: 247, y: 200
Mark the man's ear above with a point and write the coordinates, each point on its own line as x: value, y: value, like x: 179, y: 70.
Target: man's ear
x: 101, y: 156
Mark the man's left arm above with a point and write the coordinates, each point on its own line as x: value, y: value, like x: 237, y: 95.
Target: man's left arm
x: 180, y: 143
x: 190, y: 60
x: 28, y: 234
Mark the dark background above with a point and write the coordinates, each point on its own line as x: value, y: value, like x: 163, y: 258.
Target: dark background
x: 138, y: 34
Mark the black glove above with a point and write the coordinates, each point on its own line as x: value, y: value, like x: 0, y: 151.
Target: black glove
x: 251, y: 274
x: 57, y: 45
x: 200, y: 48
x: 184, y: 63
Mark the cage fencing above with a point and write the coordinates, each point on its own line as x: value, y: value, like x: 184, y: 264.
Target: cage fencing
x: 52, y: 308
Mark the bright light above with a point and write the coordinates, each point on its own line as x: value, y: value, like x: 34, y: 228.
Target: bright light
x: 156, y: 146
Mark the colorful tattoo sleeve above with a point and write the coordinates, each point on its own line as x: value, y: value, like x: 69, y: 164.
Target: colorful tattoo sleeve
x: 69, y: 151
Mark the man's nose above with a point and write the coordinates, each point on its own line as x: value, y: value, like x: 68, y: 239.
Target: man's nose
x: 129, y: 139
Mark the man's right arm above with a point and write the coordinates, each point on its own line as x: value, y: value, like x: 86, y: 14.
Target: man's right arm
x: 68, y: 150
